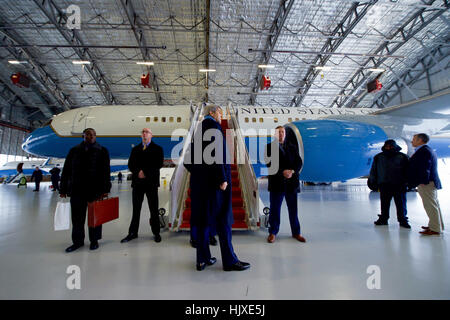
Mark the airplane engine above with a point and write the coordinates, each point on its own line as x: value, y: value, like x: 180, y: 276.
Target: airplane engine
x: 335, y: 150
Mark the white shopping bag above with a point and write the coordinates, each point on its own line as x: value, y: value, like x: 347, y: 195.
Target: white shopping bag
x: 62, y: 216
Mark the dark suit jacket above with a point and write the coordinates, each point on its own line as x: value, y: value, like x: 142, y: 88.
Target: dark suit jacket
x: 208, y: 201
x: 86, y: 172
x: 389, y: 168
x: 37, y: 175
x: 150, y: 161
x: 423, y: 168
x: 289, y: 159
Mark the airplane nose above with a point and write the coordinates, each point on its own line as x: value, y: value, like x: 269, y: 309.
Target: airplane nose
x: 38, y: 141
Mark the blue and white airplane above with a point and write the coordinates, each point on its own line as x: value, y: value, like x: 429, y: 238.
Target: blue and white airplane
x: 335, y: 144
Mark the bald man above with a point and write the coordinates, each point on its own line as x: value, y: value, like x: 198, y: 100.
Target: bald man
x: 146, y: 159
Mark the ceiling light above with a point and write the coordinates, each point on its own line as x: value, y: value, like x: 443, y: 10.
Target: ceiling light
x: 376, y: 70
x: 207, y: 70
x: 266, y: 66
x: 16, y: 61
x: 80, y: 62
x: 323, y: 68
x: 146, y: 63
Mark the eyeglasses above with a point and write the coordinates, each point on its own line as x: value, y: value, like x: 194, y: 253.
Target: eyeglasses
x: 146, y: 132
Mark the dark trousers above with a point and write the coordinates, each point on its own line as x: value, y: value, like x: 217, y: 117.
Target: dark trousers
x: 387, y: 192
x: 276, y: 199
x: 193, y: 232
x: 37, y: 183
x: 226, y: 248
x: 79, y: 205
x: 55, y: 184
x: 152, y: 199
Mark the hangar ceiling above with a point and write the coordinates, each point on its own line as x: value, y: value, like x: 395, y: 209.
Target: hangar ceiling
x: 405, y: 38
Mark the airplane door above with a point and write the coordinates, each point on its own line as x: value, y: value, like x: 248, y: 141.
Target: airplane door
x: 79, y: 121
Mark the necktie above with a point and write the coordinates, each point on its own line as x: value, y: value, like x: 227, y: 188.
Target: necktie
x: 145, y: 147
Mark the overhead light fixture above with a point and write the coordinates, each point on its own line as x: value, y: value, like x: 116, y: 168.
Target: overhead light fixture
x: 323, y: 68
x: 80, y: 62
x: 16, y: 61
x: 266, y: 66
x: 376, y: 70
x: 207, y: 70
x: 146, y: 63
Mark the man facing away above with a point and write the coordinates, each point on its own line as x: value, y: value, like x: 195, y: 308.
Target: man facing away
x: 210, y: 185
x: 423, y: 174
x: 389, y: 174
x: 85, y: 178
x: 37, y: 176
x: 55, y: 178
x: 284, y: 183
x: 146, y: 159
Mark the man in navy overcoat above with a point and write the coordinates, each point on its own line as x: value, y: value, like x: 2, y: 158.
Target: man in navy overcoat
x: 210, y: 185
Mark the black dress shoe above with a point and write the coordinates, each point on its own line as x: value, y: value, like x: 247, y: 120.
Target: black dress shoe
x: 211, y: 261
x: 93, y: 245
x: 213, y: 241
x: 157, y: 238
x: 193, y: 243
x: 200, y: 266
x: 238, y: 266
x: 405, y: 225
x: 74, y: 247
x: 128, y: 238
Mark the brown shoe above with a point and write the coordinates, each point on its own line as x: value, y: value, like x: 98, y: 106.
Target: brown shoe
x: 429, y: 233
x: 271, y: 238
x: 425, y: 228
x: 299, y: 238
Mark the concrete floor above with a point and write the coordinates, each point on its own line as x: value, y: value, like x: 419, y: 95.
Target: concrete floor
x: 336, y: 220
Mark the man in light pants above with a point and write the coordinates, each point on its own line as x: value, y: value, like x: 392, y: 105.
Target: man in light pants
x: 423, y: 175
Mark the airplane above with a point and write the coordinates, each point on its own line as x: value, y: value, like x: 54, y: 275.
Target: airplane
x: 9, y: 170
x: 336, y: 144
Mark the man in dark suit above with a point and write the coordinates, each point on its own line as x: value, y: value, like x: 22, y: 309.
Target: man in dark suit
x: 55, y: 178
x: 85, y: 178
x: 389, y: 174
x: 37, y: 176
x: 146, y: 159
x: 284, y: 164
x: 210, y: 185
x: 423, y: 174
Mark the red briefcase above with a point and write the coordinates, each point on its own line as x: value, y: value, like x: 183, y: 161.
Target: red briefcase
x: 102, y: 211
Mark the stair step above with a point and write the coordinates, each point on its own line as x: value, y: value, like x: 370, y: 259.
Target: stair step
x: 235, y: 191
x: 236, y: 202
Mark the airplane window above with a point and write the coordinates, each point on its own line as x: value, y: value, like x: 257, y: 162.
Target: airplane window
x: 261, y: 120
x: 163, y: 119
x: 178, y: 119
x: 289, y: 119
x: 155, y: 119
x: 147, y: 119
x: 297, y: 119
x: 246, y: 119
x: 275, y: 120
x: 171, y: 119
x: 253, y: 119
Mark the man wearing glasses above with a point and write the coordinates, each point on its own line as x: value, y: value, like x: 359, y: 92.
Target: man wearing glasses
x: 146, y: 159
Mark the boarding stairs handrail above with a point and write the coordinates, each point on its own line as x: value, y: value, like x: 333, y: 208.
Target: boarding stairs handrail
x: 247, y: 177
x: 179, y: 184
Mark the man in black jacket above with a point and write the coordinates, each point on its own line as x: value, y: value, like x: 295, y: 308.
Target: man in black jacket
x: 283, y: 183
x: 85, y: 178
x: 389, y: 175
x: 37, y: 176
x: 146, y: 159
x: 55, y: 178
